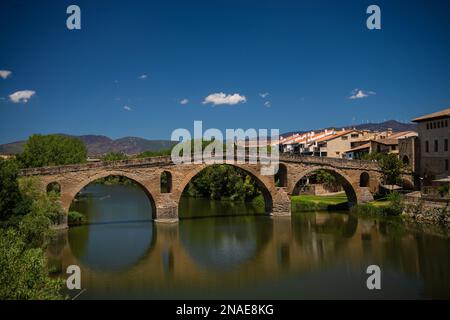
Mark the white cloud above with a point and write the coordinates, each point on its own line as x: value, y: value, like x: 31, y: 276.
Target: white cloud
x: 222, y: 98
x: 184, y: 101
x: 267, y: 104
x: 127, y: 108
x: 21, y: 96
x: 361, y: 94
x: 264, y: 95
x: 5, y: 74
x: 143, y: 76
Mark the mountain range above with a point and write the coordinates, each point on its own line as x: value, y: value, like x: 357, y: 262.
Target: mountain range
x: 98, y: 145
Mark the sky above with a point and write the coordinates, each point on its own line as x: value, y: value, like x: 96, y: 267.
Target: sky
x: 146, y: 68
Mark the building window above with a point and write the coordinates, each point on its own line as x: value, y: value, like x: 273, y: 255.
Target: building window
x: 405, y: 160
x: 394, y: 147
x: 355, y: 135
x: 344, y: 137
x: 427, y: 146
x: 436, y: 146
x: 446, y: 164
x: 446, y: 123
x: 446, y: 145
x: 434, y: 125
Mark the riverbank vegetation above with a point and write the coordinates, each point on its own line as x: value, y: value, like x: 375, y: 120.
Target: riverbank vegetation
x: 76, y: 218
x: 391, y: 205
x: 26, y: 215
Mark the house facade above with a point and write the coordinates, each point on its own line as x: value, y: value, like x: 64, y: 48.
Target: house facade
x: 434, y: 137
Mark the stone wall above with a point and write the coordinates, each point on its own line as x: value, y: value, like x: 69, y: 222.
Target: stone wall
x: 431, y: 210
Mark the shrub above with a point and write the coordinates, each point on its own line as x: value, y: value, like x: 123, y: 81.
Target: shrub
x: 75, y: 217
x: 396, y: 206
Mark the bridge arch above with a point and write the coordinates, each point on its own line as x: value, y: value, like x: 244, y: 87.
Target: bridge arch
x: 68, y: 194
x: 264, y: 183
x: 351, y: 189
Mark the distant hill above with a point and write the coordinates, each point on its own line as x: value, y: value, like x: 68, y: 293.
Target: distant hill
x: 390, y: 124
x: 394, y: 125
x: 98, y: 145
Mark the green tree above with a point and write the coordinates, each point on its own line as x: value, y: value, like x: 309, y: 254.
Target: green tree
x: 12, y: 203
x: 326, y: 178
x: 224, y: 182
x: 372, y: 156
x: 23, y: 270
x: 51, y: 150
x: 391, y: 168
x: 23, y: 266
x: 114, y: 156
x: 44, y: 211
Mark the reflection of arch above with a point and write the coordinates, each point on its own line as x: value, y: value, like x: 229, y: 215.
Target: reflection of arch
x: 96, y: 246
x: 341, y: 178
x: 364, y: 179
x: 405, y: 160
x: 53, y: 186
x: 166, y: 182
x: 261, y: 181
x: 281, y: 176
x: 226, y: 243
x: 68, y: 197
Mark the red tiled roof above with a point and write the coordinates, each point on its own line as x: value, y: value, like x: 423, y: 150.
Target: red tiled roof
x: 336, y: 135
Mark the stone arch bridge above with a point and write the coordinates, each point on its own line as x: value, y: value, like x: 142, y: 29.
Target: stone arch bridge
x: 360, y: 179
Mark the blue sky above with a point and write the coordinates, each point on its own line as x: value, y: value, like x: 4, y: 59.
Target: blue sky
x: 309, y: 56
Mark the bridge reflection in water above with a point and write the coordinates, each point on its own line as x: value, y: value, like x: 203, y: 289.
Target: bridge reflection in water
x: 308, y: 255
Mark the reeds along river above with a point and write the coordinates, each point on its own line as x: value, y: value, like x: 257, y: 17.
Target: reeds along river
x: 123, y: 254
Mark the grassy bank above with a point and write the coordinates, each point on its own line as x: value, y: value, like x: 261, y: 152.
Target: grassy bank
x: 392, y: 205
x: 303, y: 203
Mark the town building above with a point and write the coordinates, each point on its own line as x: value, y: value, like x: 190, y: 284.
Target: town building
x: 386, y: 142
x: 434, y: 136
x: 327, y: 143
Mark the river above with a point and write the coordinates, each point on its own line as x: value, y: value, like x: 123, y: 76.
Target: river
x: 124, y: 255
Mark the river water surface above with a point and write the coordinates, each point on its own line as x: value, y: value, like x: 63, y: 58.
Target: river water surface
x: 123, y: 254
